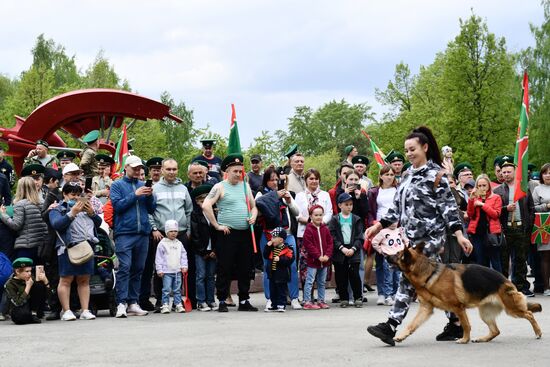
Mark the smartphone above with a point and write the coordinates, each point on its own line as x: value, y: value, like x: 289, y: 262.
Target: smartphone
x: 280, y: 184
x: 88, y: 185
x: 39, y: 269
x: 149, y: 183
x: 83, y: 199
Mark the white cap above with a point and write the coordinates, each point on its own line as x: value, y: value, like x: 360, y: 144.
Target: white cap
x: 133, y: 161
x: 71, y: 167
x: 170, y: 225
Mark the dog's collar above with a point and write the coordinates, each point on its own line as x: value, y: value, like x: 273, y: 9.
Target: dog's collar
x: 436, y: 270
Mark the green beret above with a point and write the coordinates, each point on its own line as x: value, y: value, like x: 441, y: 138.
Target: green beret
x: 291, y: 151
x: 348, y: 149
x: 531, y: 166
x: 461, y: 167
x: 498, y: 160
x: 208, y: 142
x: 234, y: 159
x: 43, y: 142
x: 32, y: 170
x: 65, y: 155
x: 22, y: 262
x: 535, y: 175
x: 360, y: 159
x: 395, y: 156
x: 91, y: 137
x: 154, y: 162
x: 406, y: 166
x: 104, y: 159
x: 201, y: 162
x: 201, y: 190
x: 507, y: 160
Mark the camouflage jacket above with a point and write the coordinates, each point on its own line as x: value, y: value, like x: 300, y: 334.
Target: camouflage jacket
x: 422, y: 209
x: 51, y: 162
x: 88, y: 163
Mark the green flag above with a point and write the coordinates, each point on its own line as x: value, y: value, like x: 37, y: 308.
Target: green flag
x: 522, y: 145
x: 234, y: 144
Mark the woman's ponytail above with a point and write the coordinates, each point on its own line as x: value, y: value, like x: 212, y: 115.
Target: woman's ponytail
x: 425, y: 136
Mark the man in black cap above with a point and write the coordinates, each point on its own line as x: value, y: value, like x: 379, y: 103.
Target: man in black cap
x: 395, y: 159
x: 360, y: 164
x: 517, y: 220
x: 214, y: 163
x: 6, y: 168
x: 39, y: 155
x: 255, y: 176
x: 498, y: 176
x: 154, y: 164
x: 234, y: 238
x: 65, y: 157
x: 463, y: 173
x: 36, y: 171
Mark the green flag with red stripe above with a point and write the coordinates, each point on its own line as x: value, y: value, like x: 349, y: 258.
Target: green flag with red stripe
x: 379, y: 157
x: 234, y: 143
x: 522, y: 145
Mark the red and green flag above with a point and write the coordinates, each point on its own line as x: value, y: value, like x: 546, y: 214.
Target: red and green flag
x: 541, y: 229
x: 121, y: 151
x: 522, y: 145
x: 234, y: 144
x: 379, y: 157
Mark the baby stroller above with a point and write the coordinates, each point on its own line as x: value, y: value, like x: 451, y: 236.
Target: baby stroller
x: 102, y: 282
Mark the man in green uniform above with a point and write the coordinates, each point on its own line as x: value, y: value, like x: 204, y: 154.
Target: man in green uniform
x: 88, y: 162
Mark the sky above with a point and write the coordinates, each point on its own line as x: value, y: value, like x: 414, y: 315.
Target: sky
x: 267, y: 57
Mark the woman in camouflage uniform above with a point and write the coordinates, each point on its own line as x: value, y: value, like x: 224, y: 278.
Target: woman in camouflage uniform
x: 423, y: 205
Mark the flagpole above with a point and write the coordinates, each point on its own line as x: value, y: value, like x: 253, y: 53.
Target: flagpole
x: 248, y: 208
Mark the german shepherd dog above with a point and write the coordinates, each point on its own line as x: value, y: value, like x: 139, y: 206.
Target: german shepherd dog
x: 456, y: 287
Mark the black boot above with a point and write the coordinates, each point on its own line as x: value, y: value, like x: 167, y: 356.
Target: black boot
x: 246, y: 306
x: 383, y: 331
x: 450, y: 332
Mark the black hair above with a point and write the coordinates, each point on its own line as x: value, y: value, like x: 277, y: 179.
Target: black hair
x: 267, y: 175
x: 425, y: 136
x: 51, y: 174
x: 545, y: 167
x: 72, y: 188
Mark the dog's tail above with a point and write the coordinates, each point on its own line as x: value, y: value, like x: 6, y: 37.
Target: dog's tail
x: 534, y: 307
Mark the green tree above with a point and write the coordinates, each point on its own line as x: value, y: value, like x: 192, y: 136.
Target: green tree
x: 101, y: 74
x: 326, y: 163
x: 536, y: 60
x: 267, y: 146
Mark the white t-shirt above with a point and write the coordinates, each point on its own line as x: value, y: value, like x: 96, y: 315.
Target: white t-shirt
x: 384, y: 201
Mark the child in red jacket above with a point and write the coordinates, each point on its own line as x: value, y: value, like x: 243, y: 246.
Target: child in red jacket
x: 318, y: 244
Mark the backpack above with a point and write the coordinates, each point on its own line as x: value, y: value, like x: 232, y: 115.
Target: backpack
x: 6, y: 269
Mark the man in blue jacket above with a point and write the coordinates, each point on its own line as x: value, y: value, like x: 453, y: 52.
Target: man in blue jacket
x: 132, y: 203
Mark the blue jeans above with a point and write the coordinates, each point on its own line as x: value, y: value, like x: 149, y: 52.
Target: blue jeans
x: 206, y: 286
x: 485, y: 254
x: 319, y: 275
x: 171, y: 283
x: 384, y: 284
x: 131, y: 251
x: 293, y: 289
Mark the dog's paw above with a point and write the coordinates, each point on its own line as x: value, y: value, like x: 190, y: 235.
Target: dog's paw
x: 480, y: 340
x: 399, y: 338
x: 462, y: 341
x: 539, y: 336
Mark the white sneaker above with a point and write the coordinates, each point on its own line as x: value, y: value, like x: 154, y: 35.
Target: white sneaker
x: 180, y: 309
x: 165, y: 308
x: 295, y: 304
x: 267, y: 305
x: 388, y: 301
x: 68, y: 316
x: 135, y: 310
x: 213, y: 306
x: 546, y: 292
x: 203, y: 307
x: 121, y: 311
x: 87, y: 315
x: 380, y: 301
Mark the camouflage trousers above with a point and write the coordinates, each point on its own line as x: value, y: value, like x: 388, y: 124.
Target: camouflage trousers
x: 406, y: 293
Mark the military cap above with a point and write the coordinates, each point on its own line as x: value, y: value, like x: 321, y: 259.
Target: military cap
x: 91, y: 137
x: 43, y: 142
x: 201, y: 190
x: 22, y: 262
x: 535, y: 175
x: 154, y: 162
x: 531, y: 166
x: 234, y: 159
x: 32, y: 170
x: 406, y: 166
x: 348, y: 149
x: 360, y: 159
x: 498, y: 160
x: 291, y: 151
x: 395, y: 156
x: 207, y: 143
x: 507, y: 160
x: 104, y: 160
x: 65, y: 155
x: 201, y: 162
x: 461, y: 167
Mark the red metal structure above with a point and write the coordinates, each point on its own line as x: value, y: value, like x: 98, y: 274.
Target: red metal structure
x: 78, y: 113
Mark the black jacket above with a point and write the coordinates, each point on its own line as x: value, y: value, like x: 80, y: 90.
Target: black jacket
x: 282, y: 273
x: 201, y: 233
x: 526, y: 208
x: 356, y: 241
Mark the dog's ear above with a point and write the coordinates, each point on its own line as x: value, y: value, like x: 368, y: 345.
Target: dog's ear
x: 420, y: 247
x: 407, y: 256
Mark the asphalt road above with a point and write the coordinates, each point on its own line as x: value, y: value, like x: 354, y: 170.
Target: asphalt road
x: 334, y: 337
